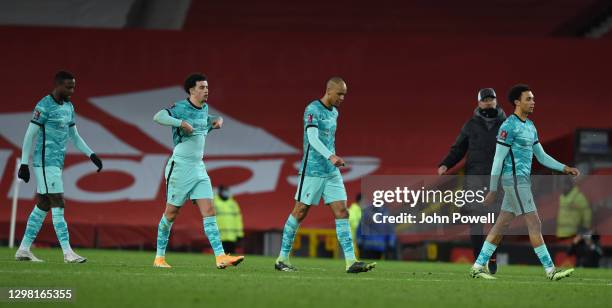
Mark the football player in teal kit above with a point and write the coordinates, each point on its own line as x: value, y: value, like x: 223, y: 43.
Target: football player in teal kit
x: 54, y: 122
x: 186, y: 177
x: 517, y: 143
x: 319, y: 176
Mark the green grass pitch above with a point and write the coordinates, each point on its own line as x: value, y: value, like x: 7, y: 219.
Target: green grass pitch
x: 113, y: 278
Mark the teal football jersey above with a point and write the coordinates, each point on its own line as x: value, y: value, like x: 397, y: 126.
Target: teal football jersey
x: 325, y: 119
x: 190, y: 148
x: 54, y: 119
x: 520, y: 136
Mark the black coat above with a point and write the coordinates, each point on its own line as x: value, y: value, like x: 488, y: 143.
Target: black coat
x: 478, y: 142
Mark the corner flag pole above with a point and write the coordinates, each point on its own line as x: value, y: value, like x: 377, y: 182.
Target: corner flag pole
x: 14, y: 209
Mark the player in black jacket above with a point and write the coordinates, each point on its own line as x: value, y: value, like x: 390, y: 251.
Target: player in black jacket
x: 477, y: 140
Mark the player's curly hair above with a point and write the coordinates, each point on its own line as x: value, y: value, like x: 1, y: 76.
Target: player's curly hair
x: 515, y: 92
x: 192, y: 79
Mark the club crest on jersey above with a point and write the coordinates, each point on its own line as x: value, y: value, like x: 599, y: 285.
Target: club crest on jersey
x: 36, y: 115
x: 503, y: 135
x: 310, y: 119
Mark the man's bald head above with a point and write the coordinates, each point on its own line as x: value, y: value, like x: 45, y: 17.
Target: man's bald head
x: 335, y: 91
x: 334, y: 82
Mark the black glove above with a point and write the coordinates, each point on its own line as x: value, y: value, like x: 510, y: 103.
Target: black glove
x: 96, y: 160
x: 24, y: 173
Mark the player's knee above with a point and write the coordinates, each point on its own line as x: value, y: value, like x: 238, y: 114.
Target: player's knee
x: 505, y: 225
x: 504, y: 222
x: 342, y: 213
x: 299, y: 212
x: 170, y: 216
x: 56, y: 200
x: 44, y: 206
x: 534, y: 224
x: 209, y: 211
x: 171, y: 212
x: 340, y: 210
x: 206, y: 207
x: 43, y: 202
x: 299, y: 216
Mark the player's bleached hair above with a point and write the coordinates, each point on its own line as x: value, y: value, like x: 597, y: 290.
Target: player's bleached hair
x: 60, y: 76
x: 334, y: 81
x: 191, y: 81
x: 515, y: 92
